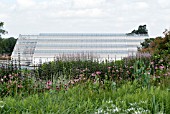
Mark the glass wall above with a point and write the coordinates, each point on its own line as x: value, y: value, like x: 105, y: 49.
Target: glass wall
x: 34, y: 47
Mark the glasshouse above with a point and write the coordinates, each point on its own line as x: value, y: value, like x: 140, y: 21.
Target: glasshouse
x: 33, y: 49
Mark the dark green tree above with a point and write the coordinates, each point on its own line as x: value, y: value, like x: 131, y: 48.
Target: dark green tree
x: 6, y: 45
x: 2, y: 31
x: 147, y: 42
x: 141, y: 30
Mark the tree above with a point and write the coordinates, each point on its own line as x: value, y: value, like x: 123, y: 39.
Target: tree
x: 6, y: 45
x: 2, y: 31
x: 141, y: 30
x: 147, y: 42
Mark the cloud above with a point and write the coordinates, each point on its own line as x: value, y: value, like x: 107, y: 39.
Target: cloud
x: 26, y: 3
x: 164, y: 3
x: 85, y: 13
x: 87, y: 3
x: 34, y: 16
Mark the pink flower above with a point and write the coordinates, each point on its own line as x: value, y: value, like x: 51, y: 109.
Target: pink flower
x: 161, y: 60
x: 71, y: 82
x: 49, y: 82
x: 161, y: 67
x: 20, y: 86
x: 81, y: 75
x: 168, y: 73
x: 57, y: 88
x: 93, y: 74
x: 131, y: 66
x: 10, y: 81
x: 98, y: 72
x: 10, y: 76
x: 48, y: 87
x: 87, y: 69
x: 128, y: 72
x: 152, y: 63
x: 4, y: 76
x: 109, y: 67
x: 165, y: 74
x: 158, y: 77
x: 77, y: 69
x: 76, y: 80
x: 94, y: 82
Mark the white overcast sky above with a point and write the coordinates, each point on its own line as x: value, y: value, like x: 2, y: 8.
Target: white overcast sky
x: 85, y: 16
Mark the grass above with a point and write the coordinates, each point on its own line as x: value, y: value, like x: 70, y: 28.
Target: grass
x: 84, y: 98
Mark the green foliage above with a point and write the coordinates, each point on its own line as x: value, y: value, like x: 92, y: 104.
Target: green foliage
x: 146, y: 43
x: 158, y: 47
x: 141, y: 30
x: 83, y: 98
x: 142, y: 73
x: 7, y: 45
x: 2, y: 31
